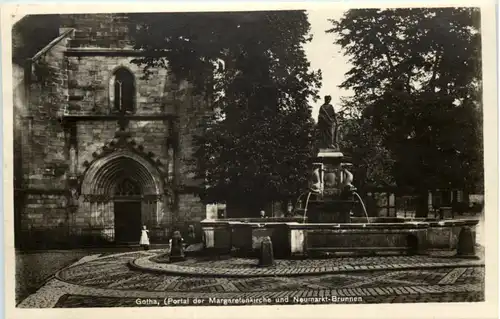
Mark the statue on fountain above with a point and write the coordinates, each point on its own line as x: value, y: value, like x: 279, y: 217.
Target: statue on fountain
x: 328, y: 173
x: 327, y: 125
x: 331, y: 183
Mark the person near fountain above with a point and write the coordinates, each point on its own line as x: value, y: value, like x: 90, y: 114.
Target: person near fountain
x: 327, y: 125
x: 144, y: 241
x: 262, y: 214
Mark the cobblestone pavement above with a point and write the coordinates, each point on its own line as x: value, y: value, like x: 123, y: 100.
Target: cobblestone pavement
x: 244, y: 267
x: 106, y: 281
x: 29, y: 278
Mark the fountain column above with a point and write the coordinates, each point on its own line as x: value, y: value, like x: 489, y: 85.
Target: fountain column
x: 329, y: 202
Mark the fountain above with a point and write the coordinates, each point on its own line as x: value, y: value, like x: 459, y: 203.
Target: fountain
x: 331, y: 197
x: 362, y: 205
x: 326, y: 225
x: 305, y: 208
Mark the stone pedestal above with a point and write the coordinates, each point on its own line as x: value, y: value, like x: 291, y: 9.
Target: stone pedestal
x: 330, y: 202
x: 266, y: 255
x: 329, y: 162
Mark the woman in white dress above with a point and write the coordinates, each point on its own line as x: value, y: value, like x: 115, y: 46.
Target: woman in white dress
x: 144, y: 242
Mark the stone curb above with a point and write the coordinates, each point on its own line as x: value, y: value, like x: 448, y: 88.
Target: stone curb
x: 145, y: 264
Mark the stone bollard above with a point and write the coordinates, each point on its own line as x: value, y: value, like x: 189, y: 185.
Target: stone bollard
x: 466, y: 247
x: 266, y: 256
x: 412, y: 242
x: 176, y: 247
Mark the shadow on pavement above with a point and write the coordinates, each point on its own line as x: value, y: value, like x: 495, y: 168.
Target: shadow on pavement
x: 35, y: 268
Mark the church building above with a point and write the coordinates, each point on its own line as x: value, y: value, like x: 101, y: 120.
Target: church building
x: 100, y: 150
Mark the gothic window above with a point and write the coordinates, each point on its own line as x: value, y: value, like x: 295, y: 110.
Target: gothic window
x: 127, y: 187
x: 124, y: 91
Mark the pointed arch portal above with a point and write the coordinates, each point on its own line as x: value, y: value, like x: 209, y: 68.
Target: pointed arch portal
x: 122, y: 192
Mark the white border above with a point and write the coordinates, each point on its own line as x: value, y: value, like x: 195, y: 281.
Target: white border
x: 464, y: 310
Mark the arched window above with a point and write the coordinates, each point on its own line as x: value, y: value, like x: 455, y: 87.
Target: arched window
x: 124, y: 91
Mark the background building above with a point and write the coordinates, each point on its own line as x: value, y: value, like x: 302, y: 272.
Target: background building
x: 99, y: 149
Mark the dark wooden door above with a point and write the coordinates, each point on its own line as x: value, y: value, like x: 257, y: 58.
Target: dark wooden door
x: 127, y: 221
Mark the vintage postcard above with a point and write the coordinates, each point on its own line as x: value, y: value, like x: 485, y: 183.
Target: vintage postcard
x: 241, y: 160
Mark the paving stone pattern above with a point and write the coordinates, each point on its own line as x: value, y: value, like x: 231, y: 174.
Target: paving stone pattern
x: 108, y: 281
x: 29, y: 279
x: 242, y: 267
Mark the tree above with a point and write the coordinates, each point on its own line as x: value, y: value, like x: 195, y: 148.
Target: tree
x: 372, y: 162
x: 416, y: 75
x: 256, y: 145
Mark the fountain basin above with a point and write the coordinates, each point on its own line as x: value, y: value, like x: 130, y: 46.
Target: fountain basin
x: 330, y: 211
x: 307, y: 239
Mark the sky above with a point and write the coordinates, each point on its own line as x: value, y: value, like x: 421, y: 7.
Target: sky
x: 322, y: 54
x: 325, y: 55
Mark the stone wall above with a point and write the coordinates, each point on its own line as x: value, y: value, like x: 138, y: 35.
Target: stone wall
x: 46, y: 161
x: 44, y: 211
x: 107, y: 30
x: 91, y: 137
x: 20, y: 104
x: 191, y: 209
x: 90, y: 84
x: 152, y: 136
x: 43, y: 156
x: 191, y: 111
x: 19, y: 112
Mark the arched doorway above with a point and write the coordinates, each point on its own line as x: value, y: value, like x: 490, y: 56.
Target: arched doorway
x: 121, y: 192
x: 127, y: 211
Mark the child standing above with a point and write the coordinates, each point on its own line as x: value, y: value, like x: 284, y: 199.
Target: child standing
x: 144, y: 242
